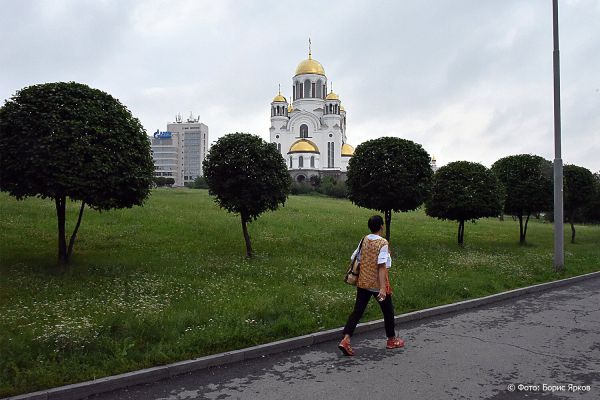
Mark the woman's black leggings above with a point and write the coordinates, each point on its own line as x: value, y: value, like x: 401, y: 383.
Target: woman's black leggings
x: 362, y: 299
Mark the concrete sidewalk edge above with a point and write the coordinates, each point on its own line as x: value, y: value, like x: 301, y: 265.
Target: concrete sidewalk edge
x: 84, y: 389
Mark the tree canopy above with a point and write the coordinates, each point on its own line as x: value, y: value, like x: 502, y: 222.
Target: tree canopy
x: 389, y: 174
x: 579, y: 190
x: 247, y: 176
x: 464, y: 191
x: 67, y: 140
x: 527, y: 184
x: 591, y: 212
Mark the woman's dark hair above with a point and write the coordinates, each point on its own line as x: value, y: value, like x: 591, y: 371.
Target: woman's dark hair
x: 375, y: 223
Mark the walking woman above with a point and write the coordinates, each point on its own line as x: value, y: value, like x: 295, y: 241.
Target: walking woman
x: 373, y: 281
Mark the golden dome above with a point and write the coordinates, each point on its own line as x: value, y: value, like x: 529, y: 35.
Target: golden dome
x: 310, y: 66
x: 290, y: 108
x: 280, y: 98
x: 303, y: 146
x: 347, y: 150
x: 332, y: 96
x: 342, y: 109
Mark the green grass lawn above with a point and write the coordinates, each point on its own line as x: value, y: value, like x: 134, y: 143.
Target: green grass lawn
x: 169, y: 281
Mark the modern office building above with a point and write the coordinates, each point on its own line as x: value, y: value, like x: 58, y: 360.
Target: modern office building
x: 179, y: 151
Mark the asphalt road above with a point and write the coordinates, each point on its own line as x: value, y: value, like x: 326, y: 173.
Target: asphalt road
x: 550, y: 338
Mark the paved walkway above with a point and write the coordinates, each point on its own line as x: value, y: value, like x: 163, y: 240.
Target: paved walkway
x: 550, y: 338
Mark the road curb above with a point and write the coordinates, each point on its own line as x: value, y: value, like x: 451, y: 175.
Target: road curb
x: 82, y: 390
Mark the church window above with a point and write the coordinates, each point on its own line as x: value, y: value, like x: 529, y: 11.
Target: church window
x: 294, y: 90
x: 312, y: 161
x: 314, y: 90
x: 279, y: 147
x: 291, y: 165
x: 301, y: 86
x: 307, y: 88
x: 324, y: 90
x: 300, y: 162
x: 331, y: 108
x: 303, y: 131
x: 319, y: 93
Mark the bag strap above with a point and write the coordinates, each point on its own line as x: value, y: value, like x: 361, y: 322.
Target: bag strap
x: 359, y: 249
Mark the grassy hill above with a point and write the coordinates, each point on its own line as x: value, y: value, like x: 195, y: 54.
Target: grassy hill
x: 169, y: 281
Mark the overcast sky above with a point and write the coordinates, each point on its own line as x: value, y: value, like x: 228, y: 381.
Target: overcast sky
x: 467, y: 79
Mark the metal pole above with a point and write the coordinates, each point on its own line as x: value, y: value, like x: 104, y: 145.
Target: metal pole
x: 559, y: 256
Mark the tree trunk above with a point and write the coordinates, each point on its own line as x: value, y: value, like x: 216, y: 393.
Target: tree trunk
x: 246, y: 236
x: 388, y: 223
x: 521, y: 236
x: 461, y: 232
x: 572, y: 229
x: 60, y: 203
x: 525, y: 230
x: 74, y: 235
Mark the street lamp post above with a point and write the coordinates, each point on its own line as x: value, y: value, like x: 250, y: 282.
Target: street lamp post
x: 559, y: 256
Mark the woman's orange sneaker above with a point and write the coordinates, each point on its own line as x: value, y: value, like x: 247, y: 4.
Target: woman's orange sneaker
x: 345, y: 347
x: 395, y: 343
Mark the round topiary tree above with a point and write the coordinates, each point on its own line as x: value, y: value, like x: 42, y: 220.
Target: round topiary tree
x: 579, y: 191
x: 591, y: 211
x: 389, y: 174
x: 69, y: 141
x: 527, y: 184
x: 247, y: 176
x: 464, y: 191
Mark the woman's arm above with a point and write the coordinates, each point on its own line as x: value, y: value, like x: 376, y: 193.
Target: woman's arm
x: 381, y: 269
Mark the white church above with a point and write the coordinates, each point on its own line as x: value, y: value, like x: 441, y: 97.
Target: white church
x: 310, y: 132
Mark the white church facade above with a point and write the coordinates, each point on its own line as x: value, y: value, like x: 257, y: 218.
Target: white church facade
x: 310, y: 131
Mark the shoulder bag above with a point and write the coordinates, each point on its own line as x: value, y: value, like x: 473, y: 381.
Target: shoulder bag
x: 354, y: 269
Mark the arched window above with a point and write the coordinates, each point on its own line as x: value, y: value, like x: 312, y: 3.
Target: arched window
x: 303, y: 131
x: 300, y: 162
x: 307, y: 88
x: 324, y: 90
x: 291, y: 165
x: 331, y: 108
x: 319, y: 89
x: 279, y: 147
x: 294, y: 91
x: 312, y: 161
x: 300, y: 90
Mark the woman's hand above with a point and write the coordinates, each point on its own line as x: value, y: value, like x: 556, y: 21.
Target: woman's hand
x: 382, y: 295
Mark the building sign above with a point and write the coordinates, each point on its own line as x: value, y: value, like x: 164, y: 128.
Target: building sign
x: 162, y: 135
